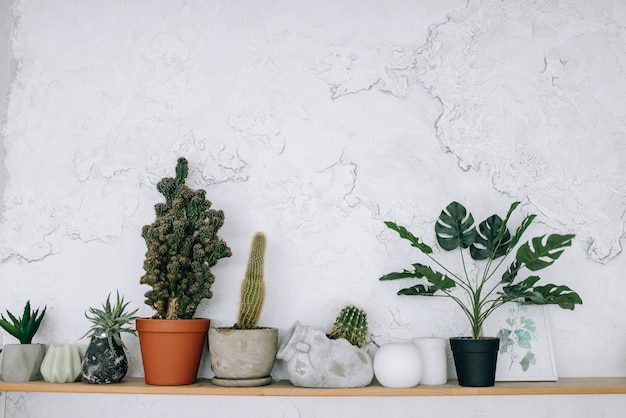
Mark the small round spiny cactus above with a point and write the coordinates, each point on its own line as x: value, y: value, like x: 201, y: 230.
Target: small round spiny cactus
x: 351, y: 324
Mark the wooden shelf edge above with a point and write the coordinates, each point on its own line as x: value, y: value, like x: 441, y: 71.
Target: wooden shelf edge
x: 137, y: 385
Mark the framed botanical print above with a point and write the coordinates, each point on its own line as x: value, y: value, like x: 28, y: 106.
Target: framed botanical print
x: 526, y: 352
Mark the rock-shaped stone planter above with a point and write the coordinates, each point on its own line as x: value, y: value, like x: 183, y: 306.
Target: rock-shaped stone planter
x: 242, y: 357
x: 22, y: 362
x: 316, y: 361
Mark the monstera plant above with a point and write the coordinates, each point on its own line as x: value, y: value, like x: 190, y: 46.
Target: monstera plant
x: 490, y: 243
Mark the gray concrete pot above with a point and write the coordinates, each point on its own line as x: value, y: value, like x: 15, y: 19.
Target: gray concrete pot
x: 242, y: 357
x: 316, y: 361
x: 22, y: 362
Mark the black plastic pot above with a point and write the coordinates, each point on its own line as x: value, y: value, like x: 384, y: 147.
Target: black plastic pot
x: 475, y: 360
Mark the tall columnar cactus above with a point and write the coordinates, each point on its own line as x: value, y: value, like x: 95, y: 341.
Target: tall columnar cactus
x: 253, y: 287
x: 182, y: 247
x: 351, y: 324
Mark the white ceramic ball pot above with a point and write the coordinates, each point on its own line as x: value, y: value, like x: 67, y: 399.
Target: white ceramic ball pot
x: 398, y: 365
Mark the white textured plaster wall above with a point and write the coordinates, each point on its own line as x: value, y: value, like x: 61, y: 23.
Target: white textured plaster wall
x: 6, y: 75
x: 314, y: 122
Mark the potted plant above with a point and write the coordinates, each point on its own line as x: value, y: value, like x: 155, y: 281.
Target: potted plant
x: 491, y: 243
x: 334, y: 360
x: 22, y: 362
x: 182, y: 246
x: 244, y: 355
x: 105, y: 359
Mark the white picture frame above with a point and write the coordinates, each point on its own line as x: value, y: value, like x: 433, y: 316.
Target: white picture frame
x: 526, y: 351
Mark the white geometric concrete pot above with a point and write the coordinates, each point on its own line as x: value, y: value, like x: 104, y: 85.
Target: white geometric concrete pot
x: 22, y: 362
x: 242, y: 357
x: 398, y: 365
x: 62, y: 363
x: 316, y: 361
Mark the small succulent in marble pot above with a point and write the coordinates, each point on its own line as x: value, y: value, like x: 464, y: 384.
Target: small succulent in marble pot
x: 105, y: 360
x: 111, y: 321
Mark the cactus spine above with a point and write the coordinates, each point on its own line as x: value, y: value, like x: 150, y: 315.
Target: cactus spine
x: 351, y: 324
x: 253, y: 287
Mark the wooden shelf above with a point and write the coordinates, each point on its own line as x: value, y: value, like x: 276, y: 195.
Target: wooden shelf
x: 137, y: 385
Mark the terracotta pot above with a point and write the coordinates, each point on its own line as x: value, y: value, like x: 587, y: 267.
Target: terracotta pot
x: 171, y: 349
x: 242, y: 357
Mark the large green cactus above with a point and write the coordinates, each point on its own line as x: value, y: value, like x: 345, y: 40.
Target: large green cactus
x: 351, y: 324
x: 253, y: 287
x: 182, y: 247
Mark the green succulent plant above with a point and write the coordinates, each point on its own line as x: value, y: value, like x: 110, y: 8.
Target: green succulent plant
x: 25, y: 327
x: 253, y: 287
x: 182, y: 247
x: 111, y: 321
x: 491, y: 242
x: 351, y: 324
